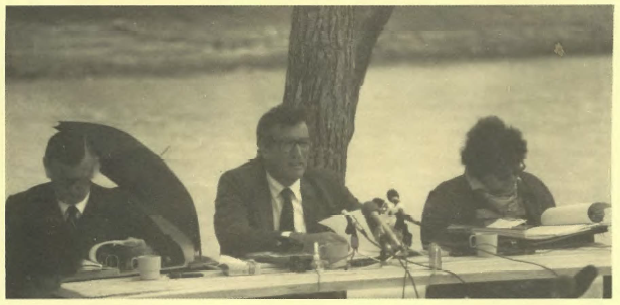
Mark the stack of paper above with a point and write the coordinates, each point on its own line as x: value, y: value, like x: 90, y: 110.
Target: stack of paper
x: 545, y: 232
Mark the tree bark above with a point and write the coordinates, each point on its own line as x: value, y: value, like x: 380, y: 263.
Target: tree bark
x: 329, y: 51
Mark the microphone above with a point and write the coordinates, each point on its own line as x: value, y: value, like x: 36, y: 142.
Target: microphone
x: 351, y: 230
x: 371, y: 210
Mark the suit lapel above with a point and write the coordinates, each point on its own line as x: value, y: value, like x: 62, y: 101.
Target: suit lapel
x: 262, y: 199
x: 49, y: 208
x: 93, y: 203
x: 310, y: 204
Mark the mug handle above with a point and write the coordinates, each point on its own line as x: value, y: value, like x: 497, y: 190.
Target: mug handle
x: 472, y: 241
x: 134, y: 263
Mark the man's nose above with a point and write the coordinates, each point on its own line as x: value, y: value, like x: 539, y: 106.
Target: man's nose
x: 78, y: 187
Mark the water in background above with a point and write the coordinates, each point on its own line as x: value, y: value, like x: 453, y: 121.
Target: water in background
x: 410, y: 124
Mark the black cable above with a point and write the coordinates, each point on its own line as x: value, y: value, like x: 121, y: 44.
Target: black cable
x: 518, y: 260
x: 404, y: 285
x: 361, y: 230
x: 441, y: 269
x: 407, y: 273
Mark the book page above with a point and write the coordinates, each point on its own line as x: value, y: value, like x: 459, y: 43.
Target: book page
x: 544, y: 232
x: 583, y: 213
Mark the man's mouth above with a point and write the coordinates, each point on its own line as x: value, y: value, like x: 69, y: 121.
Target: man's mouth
x: 296, y: 165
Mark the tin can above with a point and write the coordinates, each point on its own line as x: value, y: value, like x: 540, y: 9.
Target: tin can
x: 434, y: 256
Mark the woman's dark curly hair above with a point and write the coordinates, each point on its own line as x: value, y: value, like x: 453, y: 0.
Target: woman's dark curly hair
x: 492, y: 146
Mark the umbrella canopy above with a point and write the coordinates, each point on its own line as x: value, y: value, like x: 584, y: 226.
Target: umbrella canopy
x: 142, y: 173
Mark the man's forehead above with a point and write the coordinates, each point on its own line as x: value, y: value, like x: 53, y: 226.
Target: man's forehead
x: 87, y: 167
x: 297, y: 131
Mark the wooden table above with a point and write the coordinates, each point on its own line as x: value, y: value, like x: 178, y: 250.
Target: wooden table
x: 470, y: 269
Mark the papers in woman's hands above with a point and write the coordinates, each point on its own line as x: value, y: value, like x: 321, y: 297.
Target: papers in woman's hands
x: 545, y: 232
x: 582, y: 213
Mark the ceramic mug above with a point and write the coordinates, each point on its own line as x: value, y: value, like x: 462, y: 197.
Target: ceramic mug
x: 485, y: 243
x: 149, y: 266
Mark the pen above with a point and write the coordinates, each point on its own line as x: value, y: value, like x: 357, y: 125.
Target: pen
x: 179, y: 275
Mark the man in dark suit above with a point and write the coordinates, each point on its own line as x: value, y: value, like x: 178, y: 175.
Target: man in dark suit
x: 275, y: 200
x: 51, y: 227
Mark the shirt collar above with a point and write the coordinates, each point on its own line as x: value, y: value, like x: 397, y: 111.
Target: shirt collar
x: 80, y: 205
x: 276, y: 187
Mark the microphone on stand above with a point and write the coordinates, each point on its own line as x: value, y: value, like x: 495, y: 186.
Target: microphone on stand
x: 351, y: 230
x: 371, y: 211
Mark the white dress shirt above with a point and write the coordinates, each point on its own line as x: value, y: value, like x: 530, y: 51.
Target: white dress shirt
x: 277, y: 202
x: 80, y: 206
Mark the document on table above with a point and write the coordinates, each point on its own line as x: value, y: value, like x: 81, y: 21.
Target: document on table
x: 544, y: 232
x: 338, y: 223
x: 504, y: 223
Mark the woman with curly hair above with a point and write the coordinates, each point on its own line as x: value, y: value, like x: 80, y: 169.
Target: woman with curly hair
x: 493, y: 186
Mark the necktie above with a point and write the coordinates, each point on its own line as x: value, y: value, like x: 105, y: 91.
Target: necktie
x: 287, y: 219
x: 72, y: 217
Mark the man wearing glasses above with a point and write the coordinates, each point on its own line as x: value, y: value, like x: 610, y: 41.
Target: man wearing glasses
x: 51, y: 227
x: 274, y: 201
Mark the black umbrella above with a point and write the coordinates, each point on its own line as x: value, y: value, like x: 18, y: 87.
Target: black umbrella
x: 142, y: 173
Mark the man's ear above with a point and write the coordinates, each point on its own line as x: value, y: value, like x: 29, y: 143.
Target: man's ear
x: 48, y: 173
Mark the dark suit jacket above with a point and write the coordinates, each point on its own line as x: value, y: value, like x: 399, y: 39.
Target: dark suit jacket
x: 454, y: 202
x: 243, y: 213
x: 39, y: 246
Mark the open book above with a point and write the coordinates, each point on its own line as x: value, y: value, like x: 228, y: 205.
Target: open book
x: 556, y: 222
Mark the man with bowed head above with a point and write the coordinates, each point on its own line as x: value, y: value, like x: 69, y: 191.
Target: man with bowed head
x: 51, y: 227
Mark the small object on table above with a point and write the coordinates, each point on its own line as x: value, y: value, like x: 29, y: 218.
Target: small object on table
x: 184, y: 275
x: 317, y: 263
x: 236, y: 267
x: 434, y: 256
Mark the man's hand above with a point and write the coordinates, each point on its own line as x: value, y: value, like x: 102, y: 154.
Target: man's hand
x: 308, y: 240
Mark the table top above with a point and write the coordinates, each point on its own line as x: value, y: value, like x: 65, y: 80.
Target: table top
x: 471, y: 269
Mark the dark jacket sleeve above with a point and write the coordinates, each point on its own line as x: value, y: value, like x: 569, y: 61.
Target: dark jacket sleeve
x: 338, y: 190
x: 231, y: 221
x: 14, y: 261
x: 25, y: 276
x: 539, y: 197
x: 440, y: 210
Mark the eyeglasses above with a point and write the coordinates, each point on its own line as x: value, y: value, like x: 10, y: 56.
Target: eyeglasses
x: 508, y: 174
x: 287, y: 145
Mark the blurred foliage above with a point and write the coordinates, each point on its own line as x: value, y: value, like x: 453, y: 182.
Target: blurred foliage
x: 61, y: 41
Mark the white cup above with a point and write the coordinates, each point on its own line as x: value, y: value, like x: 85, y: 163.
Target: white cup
x: 485, y: 243
x: 149, y: 266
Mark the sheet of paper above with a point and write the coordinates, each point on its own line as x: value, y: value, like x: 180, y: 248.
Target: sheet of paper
x: 503, y: 223
x: 543, y: 232
x: 339, y: 223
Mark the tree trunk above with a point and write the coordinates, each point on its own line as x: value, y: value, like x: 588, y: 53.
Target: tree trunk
x: 329, y: 51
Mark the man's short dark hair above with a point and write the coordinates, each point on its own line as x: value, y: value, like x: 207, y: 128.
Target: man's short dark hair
x: 68, y: 148
x: 492, y: 146
x: 283, y: 115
